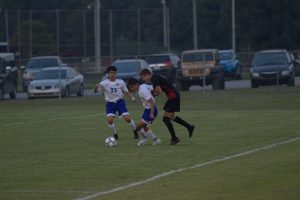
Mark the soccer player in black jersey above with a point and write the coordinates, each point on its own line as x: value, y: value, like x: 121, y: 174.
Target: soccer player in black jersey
x: 162, y: 84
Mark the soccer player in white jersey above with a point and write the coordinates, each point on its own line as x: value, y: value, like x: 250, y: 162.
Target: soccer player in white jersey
x: 114, y: 90
x: 150, y: 112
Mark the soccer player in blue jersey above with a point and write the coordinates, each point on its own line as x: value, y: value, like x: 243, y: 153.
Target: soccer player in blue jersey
x: 114, y: 90
x: 150, y: 110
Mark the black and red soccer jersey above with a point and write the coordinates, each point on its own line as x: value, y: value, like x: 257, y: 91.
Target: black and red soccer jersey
x: 166, y: 86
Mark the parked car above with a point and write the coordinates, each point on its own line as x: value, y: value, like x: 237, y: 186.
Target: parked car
x: 56, y: 81
x: 230, y: 64
x: 34, y: 66
x: 165, y: 64
x: 271, y: 67
x: 200, y: 67
x: 129, y: 68
x: 8, y: 75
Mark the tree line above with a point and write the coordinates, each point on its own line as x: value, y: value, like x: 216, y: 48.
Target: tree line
x: 260, y: 24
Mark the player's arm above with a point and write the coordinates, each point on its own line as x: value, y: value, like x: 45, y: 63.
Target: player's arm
x: 130, y: 95
x: 152, y: 105
x: 98, y: 88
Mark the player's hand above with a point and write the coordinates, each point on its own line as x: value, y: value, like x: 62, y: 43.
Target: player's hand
x: 134, y: 99
x: 156, y: 91
x: 98, y: 88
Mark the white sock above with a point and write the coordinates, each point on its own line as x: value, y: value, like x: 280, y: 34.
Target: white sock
x: 132, y: 125
x: 113, y: 128
x: 150, y: 134
x: 142, y: 133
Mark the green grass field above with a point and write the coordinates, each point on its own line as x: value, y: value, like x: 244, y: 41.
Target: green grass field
x: 51, y: 149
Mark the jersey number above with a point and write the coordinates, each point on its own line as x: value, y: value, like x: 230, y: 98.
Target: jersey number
x: 113, y: 90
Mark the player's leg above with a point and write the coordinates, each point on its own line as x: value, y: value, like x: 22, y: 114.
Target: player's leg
x: 122, y: 109
x: 177, y: 119
x: 143, y: 125
x: 111, y: 113
x: 182, y: 122
x: 167, y: 120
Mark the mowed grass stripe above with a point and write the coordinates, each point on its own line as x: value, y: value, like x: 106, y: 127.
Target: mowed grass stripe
x: 271, y: 173
x: 69, y: 154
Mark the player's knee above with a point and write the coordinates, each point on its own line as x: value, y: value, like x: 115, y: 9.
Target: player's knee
x: 166, y: 120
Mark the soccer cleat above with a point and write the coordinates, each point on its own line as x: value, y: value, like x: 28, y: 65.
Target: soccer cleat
x: 135, y: 135
x: 174, y: 141
x: 142, y: 141
x: 191, y: 130
x: 116, y: 136
x: 156, y: 141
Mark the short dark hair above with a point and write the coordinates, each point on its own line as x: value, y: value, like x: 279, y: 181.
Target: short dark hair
x: 111, y: 68
x: 133, y: 81
x: 145, y: 72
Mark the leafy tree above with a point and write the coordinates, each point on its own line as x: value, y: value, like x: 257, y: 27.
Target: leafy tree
x: 43, y: 43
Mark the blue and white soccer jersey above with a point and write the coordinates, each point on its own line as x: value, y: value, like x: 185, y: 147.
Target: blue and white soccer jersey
x: 145, y: 95
x: 114, y: 93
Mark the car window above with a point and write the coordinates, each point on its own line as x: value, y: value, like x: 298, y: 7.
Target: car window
x: 51, y: 74
x: 157, y: 59
x: 127, y: 67
x: 226, y: 55
x: 42, y: 63
x: 264, y: 59
x: 202, y: 57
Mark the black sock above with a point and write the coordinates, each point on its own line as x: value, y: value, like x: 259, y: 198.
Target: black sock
x: 170, y: 127
x: 182, y: 122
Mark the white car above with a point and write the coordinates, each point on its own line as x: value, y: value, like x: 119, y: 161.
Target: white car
x: 56, y: 81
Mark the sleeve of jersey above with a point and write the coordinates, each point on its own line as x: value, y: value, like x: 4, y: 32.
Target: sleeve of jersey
x: 124, y: 87
x: 146, y: 94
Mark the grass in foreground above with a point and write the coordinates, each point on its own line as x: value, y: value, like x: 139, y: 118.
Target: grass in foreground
x: 52, y: 149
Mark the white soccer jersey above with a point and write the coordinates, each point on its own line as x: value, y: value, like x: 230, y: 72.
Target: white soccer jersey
x: 113, y: 90
x: 145, y: 95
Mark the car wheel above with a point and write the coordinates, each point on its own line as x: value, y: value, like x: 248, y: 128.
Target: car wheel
x: 81, y: 91
x: 291, y: 81
x: 1, y: 94
x: 254, y: 84
x: 67, y: 92
x: 238, y: 73
x: 13, y: 94
x: 219, y: 82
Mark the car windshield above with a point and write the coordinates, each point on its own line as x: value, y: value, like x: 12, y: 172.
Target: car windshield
x: 264, y: 59
x: 202, y: 57
x: 51, y: 74
x: 127, y: 67
x: 42, y: 63
x: 157, y: 59
x: 226, y: 55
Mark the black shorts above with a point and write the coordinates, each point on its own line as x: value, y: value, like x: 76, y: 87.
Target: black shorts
x: 172, y: 105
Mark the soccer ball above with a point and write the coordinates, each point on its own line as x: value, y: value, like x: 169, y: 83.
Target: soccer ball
x: 110, y: 141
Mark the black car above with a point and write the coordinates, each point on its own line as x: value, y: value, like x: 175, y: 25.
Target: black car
x: 8, y: 75
x: 165, y: 64
x: 271, y: 67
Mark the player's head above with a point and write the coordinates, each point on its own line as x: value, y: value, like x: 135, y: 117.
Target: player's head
x: 146, y: 75
x: 133, y: 84
x: 112, y: 73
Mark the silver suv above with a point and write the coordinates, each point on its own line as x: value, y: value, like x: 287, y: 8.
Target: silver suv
x: 35, y: 65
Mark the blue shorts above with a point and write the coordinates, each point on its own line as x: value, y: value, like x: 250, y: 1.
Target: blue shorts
x: 112, y: 108
x: 146, y: 116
